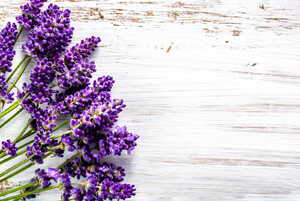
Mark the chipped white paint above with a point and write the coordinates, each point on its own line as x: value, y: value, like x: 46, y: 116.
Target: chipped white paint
x: 212, y: 87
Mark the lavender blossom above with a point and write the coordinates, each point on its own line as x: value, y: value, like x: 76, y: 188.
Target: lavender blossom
x: 51, y: 34
x: 81, y: 51
x: 9, y: 147
x: 78, y: 75
x: 30, y: 13
x: 79, y: 167
x: 81, y: 100
x: 106, y: 190
x: 75, y: 69
x: 45, y: 177
x: 7, y: 39
x: 111, y: 190
x: 41, y: 77
x: 102, y: 181
x: 93, y: 132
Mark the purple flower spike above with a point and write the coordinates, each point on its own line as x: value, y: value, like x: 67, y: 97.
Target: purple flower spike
x: 120, y: 140
x: 51, y: 34
x: 81, y: 51
x: 78, y: 75
x: 30, y: 13
x: 9, y: 147
x: 7, y: 39
x: 111, y: 190
x: 40, y: 79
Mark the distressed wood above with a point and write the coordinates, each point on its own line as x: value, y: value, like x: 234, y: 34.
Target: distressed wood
x: 212, y: 87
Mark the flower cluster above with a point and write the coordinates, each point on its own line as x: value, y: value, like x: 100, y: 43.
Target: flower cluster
x: 7, y: 39
x: 30, y: 13
x: 9, y: 147
x: 75, y: 68
x: 60, y: 86
x: 51, y: 34
x: 102, y: 181
x: 40, y: 79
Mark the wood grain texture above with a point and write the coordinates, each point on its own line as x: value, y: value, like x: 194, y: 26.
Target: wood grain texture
x: 212, y: 87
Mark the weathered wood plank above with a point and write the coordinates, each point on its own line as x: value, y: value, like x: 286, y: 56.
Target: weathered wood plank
x: 211, y: 86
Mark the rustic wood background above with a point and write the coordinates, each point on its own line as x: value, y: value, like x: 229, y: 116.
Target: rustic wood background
x: 212, y: 87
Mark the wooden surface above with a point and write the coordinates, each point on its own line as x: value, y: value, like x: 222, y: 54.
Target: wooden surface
x: 212, y: 87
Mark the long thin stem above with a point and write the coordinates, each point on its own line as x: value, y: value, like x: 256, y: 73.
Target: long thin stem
x: 68, y: 160
x: 17, y: 172
x: 23, y: 131
x: 23, y: 168
x: 30, y: 133
x: 27, y: 134
x: 31, y: 192
x: 10, y: 118
x: 16, y: 68
x: 17, y: 189
x: 19, y: 33
x: 33, y: 183
x: 10, y: 108
x: 13, y: 157
x: 15, y: 166
x: 19, y: 75
x: 28, y: 159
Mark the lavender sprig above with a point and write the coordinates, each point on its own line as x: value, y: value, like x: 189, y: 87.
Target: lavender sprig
x: 7, y: 39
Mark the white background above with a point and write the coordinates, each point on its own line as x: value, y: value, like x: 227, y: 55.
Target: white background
x: 212, y: 87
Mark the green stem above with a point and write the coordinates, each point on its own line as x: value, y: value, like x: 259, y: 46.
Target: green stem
x: 17, y: 172
x: 24, y: 151
x: 23, y: 168
x: 19, y: 33
x: 28, y: 134
x: 12, y: 157
x: 68, y: 160
x: 23, y: 131
x: 28, y: 159
x: 61, y: 125
x: 19, y: 75
x: 16, y: 68
x: 10, y: 108
x: 17, y: 189
x: 31, y: 192
x: 33, y: 183
x: 15, y: 166
x: 10, y: 118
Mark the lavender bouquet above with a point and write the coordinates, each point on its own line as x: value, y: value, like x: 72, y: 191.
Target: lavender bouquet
x: 60, y: 87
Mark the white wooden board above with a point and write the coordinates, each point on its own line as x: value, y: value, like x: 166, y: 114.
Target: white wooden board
x: 212, y: 87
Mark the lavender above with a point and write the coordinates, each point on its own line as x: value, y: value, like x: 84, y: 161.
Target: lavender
x: 75, y: 69
x: 41, y: 77
x: 46, y: 177
x: 94, y: 135
x: 102, y: 182
x: 78, y: 75
x: 51, y: 34
x: 7, y: 39
x: 81, y: 100
x: 30, y: 13
x: 9, y: 147
x: 60, y: 86
x: 81, y: 51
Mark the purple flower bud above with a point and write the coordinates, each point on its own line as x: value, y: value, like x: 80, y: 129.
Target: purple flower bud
x: 9, y: 147
x: 30, y: 13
